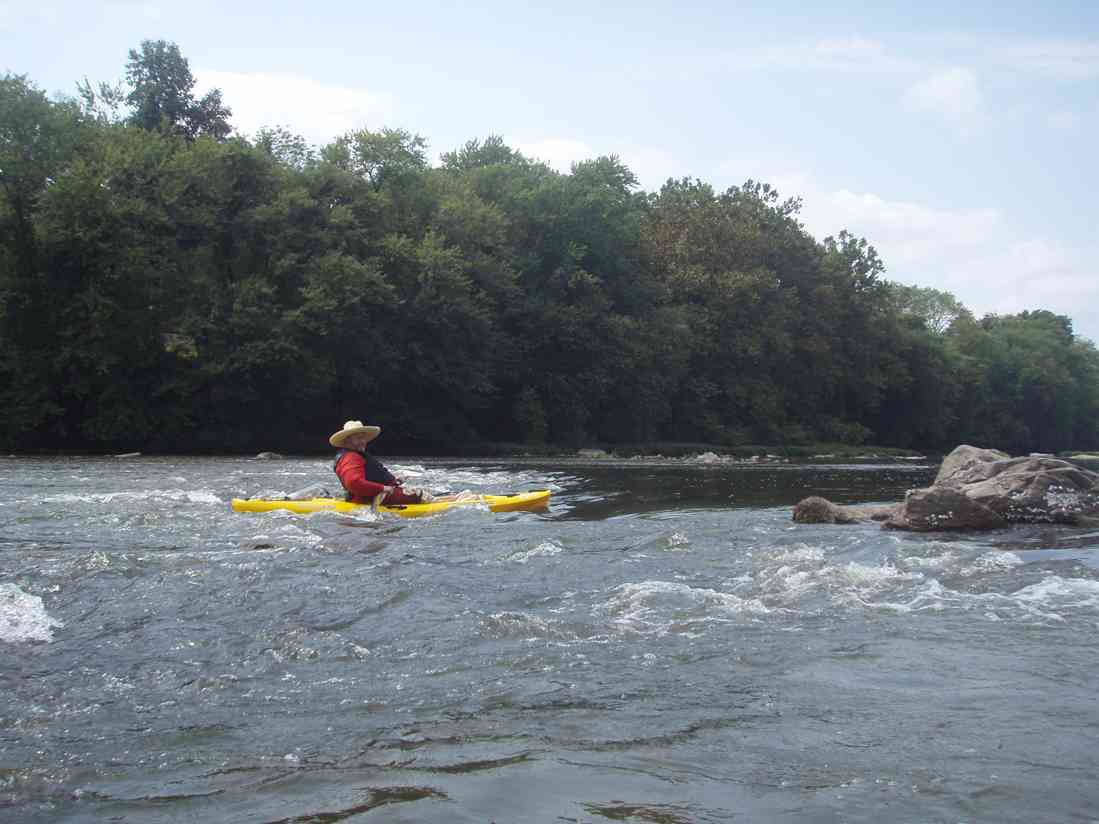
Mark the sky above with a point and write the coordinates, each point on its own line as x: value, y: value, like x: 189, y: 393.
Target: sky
x: 957, y: 138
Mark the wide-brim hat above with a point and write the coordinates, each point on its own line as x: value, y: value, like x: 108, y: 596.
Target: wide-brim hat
x: 352, y: 428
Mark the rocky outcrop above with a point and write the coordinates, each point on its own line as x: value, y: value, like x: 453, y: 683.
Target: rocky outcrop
x: 817, y: 510
x: 940, y: 507
x: 984, y: 489
x: 965, y: 460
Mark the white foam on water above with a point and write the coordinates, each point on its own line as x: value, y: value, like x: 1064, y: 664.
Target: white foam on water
x: 201, y: 497
x: 930, y: 595
x: 112, y: 683
x: 802, y: 552
x: 994, y: 561
x: 935, y: 562
x: 654, y: 607
x: 444, y: 480
x: 96, y: 561
x: 194, y: 496
x: 778, y: 579
x: 543, y: 550
x: 875, y: 577
x: 678, y: 542
x: 795, y: 578
x: 1045, y: 601
x: 289, y: 532
x: 795, y: 582
x: 1059, y: 592
x: 529, y: 627
x: 23, y: 617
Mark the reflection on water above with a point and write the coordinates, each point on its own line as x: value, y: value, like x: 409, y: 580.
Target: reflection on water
x: 626, y: 488
x: 664, y: 644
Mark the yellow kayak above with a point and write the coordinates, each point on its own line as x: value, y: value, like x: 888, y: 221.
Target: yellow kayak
x: 520, y: 501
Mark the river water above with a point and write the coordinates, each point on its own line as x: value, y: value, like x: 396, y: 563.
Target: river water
x: 663, y: 645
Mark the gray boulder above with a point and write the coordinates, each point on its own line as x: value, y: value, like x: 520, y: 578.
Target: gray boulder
x: 987, y: 489
x: 1028, y: 490
x: 966, y: 459
x: 941, y: 507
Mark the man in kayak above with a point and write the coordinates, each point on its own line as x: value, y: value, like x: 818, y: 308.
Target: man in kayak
x: 363, y: 476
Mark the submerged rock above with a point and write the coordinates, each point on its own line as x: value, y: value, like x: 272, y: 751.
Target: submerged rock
x: 268, y: 456
x: 817, y: 510
x: 984, y: 489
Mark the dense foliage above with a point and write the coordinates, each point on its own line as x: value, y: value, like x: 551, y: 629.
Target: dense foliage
x: 166, y: 286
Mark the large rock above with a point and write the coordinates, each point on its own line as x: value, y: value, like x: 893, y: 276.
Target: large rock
x: 986, y: 489
x: 940, y: 507
x: 966, y: 459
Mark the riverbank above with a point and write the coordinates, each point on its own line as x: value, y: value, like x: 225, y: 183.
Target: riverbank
x: 699, y: 452
x: 655, y: 451
x: 663, y: 450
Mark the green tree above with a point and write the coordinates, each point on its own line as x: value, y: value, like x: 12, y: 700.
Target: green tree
x: 162, y: 94
x: 1028, y: 383
x: 289, y: 149
x: 380, y: 158
x: 475, y: 154
x: 937, y: 309
x: 39, y: 141
x: 162, y: 284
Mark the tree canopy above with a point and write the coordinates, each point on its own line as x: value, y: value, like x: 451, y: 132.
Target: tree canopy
x: 162, y: 94
x: 166, y: 285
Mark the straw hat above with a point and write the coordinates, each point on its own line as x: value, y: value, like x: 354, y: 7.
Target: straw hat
x: 352, y: 428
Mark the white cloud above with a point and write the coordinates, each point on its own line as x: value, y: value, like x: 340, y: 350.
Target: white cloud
x: 912, y: 232
x: 150, y: 12
x: 974, y: 253
x: 1062, y: 59
x: 14, y: 16
x: 317, y: 111
x: 951, y: 93
x: 1034, y: 273
x: 843, y: 54
x: 782, y: 171
x: 1065, y: 121
x: 557, y: 152
x: 652, y: 165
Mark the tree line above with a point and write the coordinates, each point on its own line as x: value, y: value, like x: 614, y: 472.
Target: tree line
x: 166, y: 284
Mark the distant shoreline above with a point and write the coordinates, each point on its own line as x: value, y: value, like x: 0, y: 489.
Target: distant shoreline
x: 656, y: 450
x: 685, y: 453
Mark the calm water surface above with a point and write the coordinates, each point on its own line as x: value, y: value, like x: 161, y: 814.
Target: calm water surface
x: 664, y: 645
